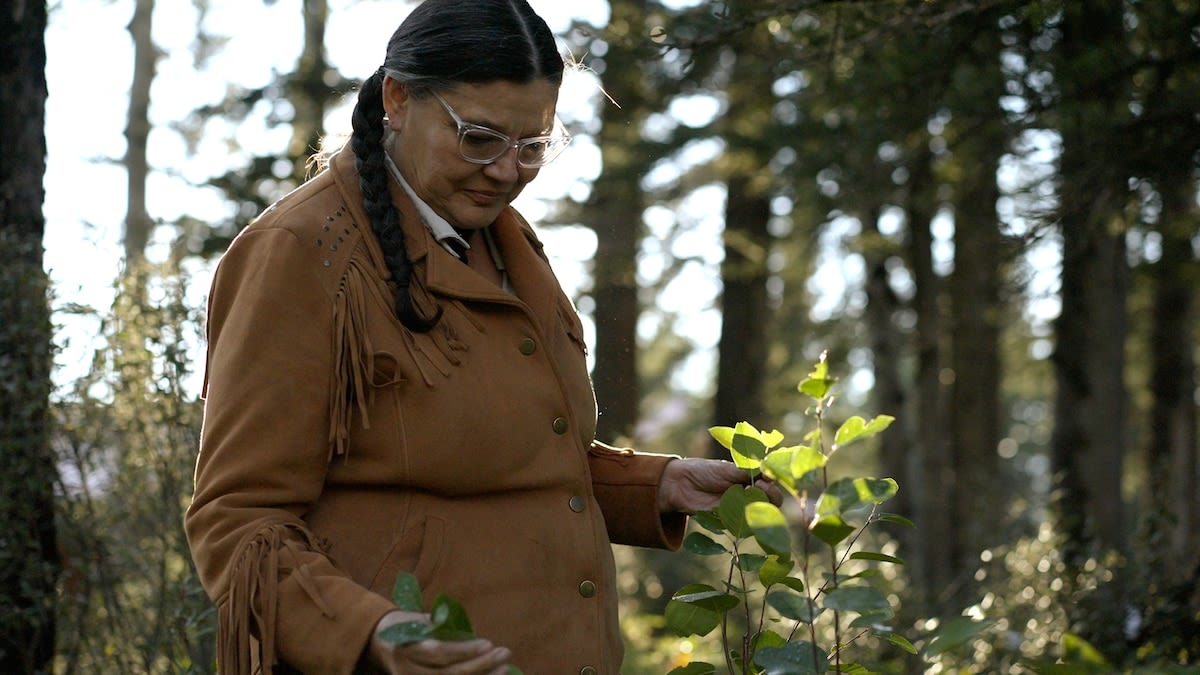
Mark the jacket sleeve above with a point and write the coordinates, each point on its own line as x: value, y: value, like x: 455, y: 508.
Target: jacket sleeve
x: 626, y: 486
x: 264, y: 452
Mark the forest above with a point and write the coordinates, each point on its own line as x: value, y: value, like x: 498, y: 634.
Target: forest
x: 986, y: 213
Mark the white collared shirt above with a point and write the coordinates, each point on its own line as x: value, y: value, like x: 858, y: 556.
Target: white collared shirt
x: 442, y: 230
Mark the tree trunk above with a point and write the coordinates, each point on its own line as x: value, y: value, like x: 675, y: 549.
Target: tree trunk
x: 933, y: 477
x: 742, y: 350
x: 1089, y: 440
x: 1174, y: 446
x: 614, y: 213
x: 310, y: 90
x: 138, y: 224
x: 29, y: 561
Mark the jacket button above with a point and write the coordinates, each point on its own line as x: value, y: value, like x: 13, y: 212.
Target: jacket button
x: 588, y: 670
x: 560, y: 425
x: 577, y: 504
x: 527, y: 346
x: 587, y: 589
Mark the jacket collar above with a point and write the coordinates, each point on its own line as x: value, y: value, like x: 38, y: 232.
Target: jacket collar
x: 532, y: 279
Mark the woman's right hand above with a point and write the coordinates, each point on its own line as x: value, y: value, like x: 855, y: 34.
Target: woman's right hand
x: 466, y: 657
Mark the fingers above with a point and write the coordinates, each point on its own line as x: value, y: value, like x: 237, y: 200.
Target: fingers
x: 470, y: 657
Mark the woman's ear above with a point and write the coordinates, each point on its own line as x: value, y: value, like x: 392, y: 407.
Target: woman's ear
x: 395, y: 102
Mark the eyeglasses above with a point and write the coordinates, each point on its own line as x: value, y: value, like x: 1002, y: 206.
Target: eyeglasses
x: 481, y: 145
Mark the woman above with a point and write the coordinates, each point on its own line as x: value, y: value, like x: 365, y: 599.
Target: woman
x: 396, y: 382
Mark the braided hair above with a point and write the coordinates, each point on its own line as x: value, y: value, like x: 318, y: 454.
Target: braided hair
x: 440, y: 44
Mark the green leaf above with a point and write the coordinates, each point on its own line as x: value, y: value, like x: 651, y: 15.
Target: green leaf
x: 952, y: 633
x: 404, y: 633
x: 900, y: 641
x: 831, y: 529
x: 770, y: 527
x: 789, y: 465
x: 851, y: 668
x: 696, y: 609
x: 818, y: 383
x: 513, y: 670
x: 746, y: 444
x: 794, y: 658
x: 775, y: 569
x: 767, y: 638
x: 793, y: 583
x: 710, y: 521
x: 750, y: 562
x: 694, y: 668
x: 877, y: 557
x: 856, y: 428
x: 450, y: 620
x: 849, y: 494
x: 732, y: 508
x: 1077, y: 650
x: 860, y: 599
x: 896, y: 518
x: 701, y: 544
x: 406, y: 592
x: 722, y: 435
x: 793, y: 606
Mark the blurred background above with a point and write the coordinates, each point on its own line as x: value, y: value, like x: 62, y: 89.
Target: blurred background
x: 987, y: 212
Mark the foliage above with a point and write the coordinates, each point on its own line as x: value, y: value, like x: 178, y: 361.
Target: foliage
x: 774, y: 607
x: 126, y: 435
x: 447, y: 617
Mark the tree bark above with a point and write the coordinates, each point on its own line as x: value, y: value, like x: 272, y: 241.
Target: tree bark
x: 138, y: 225
x: 1089, y: 440
x: 29, y: 561
x: 614, y: 213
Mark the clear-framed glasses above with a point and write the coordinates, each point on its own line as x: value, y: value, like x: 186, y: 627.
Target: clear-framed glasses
x: 481, y: 145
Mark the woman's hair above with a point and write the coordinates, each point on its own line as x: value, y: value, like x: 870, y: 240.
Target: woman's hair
x: 442, y: 43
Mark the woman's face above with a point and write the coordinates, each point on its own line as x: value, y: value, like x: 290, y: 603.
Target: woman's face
x: 425, y: 146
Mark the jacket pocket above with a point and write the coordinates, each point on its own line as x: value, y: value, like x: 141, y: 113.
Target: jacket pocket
x: 416, y: 548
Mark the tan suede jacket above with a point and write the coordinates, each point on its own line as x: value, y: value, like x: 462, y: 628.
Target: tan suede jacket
x: 339, y: 448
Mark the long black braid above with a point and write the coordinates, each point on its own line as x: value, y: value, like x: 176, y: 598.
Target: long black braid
x: 440, y: 44
x: 367, y: 144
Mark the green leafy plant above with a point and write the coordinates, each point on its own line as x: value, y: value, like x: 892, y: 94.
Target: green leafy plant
x: 447, y: 617
x: 789, y: 575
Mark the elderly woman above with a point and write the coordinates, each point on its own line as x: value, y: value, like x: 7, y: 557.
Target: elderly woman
x: 396, y: 382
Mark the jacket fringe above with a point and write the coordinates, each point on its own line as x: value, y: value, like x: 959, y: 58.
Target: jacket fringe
x: 354, y: 365
x: 246, y: 621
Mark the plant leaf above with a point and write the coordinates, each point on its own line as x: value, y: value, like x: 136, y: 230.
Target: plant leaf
x: 831, y: 529
x: 856, y: 428
x: 696, y: 609
x: 952, y: 633
x: 450, y: 620
x: 770, y: 527
x: 793, y: 606
x: 794, y: 658
x: 896, y: 518
x: 900, y: 641
x: 404, y: 633
x: 818, y: 383
x: 868, y: 555
x: 710, y: 521
x: 860, y: 599
x: 732, y: 508
x: 775, y: 569
x: 406, y: 592
x: 701, y: 544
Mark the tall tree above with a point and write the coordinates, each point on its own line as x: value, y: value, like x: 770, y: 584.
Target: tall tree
x: 138, y: 224
x: 1089, y: 439
x: 749, y: 187
x: 29, y: 561
x: 614, y: 213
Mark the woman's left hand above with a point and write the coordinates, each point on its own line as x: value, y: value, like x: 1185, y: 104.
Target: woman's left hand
x: 691, y: 485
